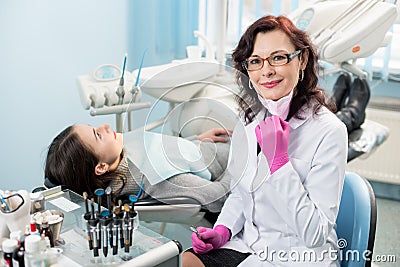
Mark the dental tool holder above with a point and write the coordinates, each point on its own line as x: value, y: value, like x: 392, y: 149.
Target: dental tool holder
x: 106, y: 97
x: 105, y: 227
x: 148, y: 247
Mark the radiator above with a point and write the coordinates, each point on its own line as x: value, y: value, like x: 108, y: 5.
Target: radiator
x: 383, y: 164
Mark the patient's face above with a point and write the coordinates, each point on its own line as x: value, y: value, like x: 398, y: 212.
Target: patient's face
x: 105, y: 143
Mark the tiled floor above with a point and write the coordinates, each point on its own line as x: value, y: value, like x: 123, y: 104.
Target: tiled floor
x: 387, y: 242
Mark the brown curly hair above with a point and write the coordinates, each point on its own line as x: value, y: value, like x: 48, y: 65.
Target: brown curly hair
x: 307, y: 90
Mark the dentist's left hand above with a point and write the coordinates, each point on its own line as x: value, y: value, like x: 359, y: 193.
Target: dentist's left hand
x: 210, y: 238
x: 273, y: 137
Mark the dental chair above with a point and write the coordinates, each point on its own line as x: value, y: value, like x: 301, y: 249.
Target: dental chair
x: 356, y: 222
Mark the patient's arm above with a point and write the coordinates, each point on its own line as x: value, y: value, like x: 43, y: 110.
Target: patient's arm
x: 215, y: 135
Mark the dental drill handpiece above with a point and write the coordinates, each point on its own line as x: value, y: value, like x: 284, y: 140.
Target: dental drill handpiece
x: 99, y: 193
x: 132, y: 217
x: 93, y: 229
x: 120, y: 89
x: 86, y: 216
x: 105, y: 221
x: 127, y: 228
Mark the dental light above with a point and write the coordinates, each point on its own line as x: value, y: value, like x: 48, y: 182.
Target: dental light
x: 347, y: 30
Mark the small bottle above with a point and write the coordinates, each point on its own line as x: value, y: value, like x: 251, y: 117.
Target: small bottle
x: 16, y: 235
x: 47, y: 232
x: 33, y: 254
x: 18, y: 257
x: 33, y: 229
x: 27, y: 230
x: 9, y: 245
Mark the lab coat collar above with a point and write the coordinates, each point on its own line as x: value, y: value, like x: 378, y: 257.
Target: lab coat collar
x: 305, y: 112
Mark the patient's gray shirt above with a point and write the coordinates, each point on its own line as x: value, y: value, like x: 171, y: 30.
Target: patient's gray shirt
x: 211, y: 194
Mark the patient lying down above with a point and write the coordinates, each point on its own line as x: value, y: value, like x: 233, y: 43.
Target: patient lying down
x: 84, y: 158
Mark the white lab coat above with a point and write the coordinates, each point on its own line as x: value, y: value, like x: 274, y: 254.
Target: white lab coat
x: 295, y: 209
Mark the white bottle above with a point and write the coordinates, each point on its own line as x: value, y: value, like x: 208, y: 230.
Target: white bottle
x: 8, y: 248
x: 33, y: 252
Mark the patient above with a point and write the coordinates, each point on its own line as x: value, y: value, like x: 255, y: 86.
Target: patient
x: 351, y: 99
x: 84, y: 158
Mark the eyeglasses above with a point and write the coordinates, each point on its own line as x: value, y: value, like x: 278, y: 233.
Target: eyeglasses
x: 276, y: 59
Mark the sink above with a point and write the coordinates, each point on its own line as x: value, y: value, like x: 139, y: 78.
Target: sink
x: 178, y: 81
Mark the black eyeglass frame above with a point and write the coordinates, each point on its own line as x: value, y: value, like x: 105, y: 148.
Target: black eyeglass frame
x: 289, y: 57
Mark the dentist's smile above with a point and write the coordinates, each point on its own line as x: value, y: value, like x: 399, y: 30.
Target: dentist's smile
x: 271, y: 84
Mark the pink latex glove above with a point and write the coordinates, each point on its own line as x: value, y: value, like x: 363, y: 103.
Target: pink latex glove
x: 210, y: 238
x: 273, y: 137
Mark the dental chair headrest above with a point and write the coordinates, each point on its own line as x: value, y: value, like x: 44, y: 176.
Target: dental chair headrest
x: 50, y: 184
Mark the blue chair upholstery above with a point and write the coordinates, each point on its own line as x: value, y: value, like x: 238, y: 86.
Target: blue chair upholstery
x: 356, y: 222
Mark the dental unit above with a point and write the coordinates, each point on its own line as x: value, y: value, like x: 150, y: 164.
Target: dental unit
x: 356, y: 29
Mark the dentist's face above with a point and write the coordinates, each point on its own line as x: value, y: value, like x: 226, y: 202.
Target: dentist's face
x: 274, y: 82
x: 106, y: 144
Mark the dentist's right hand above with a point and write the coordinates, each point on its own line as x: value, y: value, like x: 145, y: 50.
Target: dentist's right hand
x: 273, y: 137
x: 210, y: 238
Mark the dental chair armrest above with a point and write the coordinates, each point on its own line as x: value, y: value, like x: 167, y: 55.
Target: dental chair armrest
x: 47, y: 184
x: 149, y: 201
x: 184, y: 210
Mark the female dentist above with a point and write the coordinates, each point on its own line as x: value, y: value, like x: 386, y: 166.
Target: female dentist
x: 287, y: 159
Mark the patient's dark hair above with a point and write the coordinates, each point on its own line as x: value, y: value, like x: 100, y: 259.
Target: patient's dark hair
x: 72, y: 164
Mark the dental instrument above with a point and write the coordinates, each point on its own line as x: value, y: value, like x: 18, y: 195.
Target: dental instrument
x: 120, y: 90
x: 194, y: 230
x: 105, y: 221
x: 86, y: 216
x: 97, y: 92
x: 99, y: 193
x: 135, y: 91
x: 127, y: 228
x: 121, y: 94
x: 120, y: 215
x: 108, y: 191
x: 93, y: 230
x: 114, y: 239
x: 108, y: 194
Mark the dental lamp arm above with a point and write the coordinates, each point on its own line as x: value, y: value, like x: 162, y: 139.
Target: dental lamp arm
x: 352, y: 68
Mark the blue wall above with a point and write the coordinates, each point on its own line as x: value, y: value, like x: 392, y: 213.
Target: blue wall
x: 46, y: 44
x: 163, y: 27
